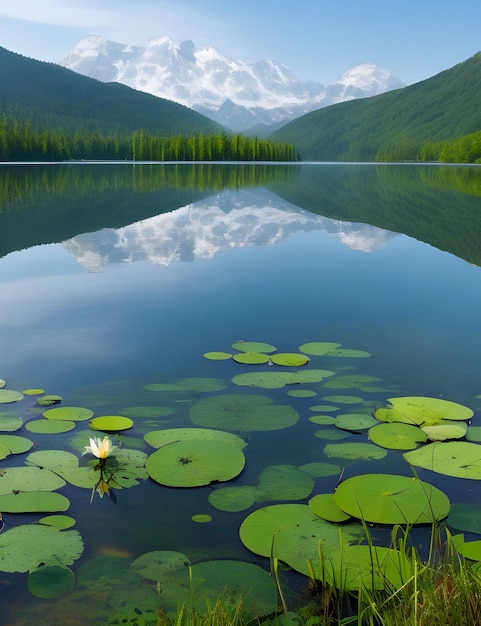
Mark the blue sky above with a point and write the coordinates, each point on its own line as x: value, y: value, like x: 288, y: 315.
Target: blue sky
x: 316, y: 39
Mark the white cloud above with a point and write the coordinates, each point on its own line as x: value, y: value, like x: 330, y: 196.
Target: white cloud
x: 55, y: 12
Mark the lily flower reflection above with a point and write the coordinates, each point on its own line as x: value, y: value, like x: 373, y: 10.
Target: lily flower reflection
x: 101, y: 448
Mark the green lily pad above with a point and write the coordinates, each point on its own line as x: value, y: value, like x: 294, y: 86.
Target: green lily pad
x: 111, y: 423
x: 68, y: 413
x: 4, y: 452
x: 242, y: 412
x: 148, y: 411
x: 19, y: 479
x: 391, y: 499
x: 318, y: 348
x: 325, y: 420
x: 289, y: 359
x: 159, y: 565
x: 471, y: 550
x: 368, y: 567
x: 217, y: 356
x: 251, y: 358
x: 195, y: 463
x: 58, y: 521
x: 324, y: 506
x: 348, y: 353
x: 49, y: 427
x: 33, y: 392
x: 50, y: 582
x: 253, y: 346
x: 465, y: 517
x: 25, y: 548
x: 198, y: 385
x: 397, y: 436
x: 49, y: 399
x: 355, y: 421
x: 9, y: 422
x: 320, y: 470
x: 9, y: 395
x: 15, y: 443
x: 461, y: 459
x: 33, y: 502
x: 445, y: 430
x: 294, y: 535
x: 277, y: 380
x: 427, y: 411
x: 324, y: 408
x: 159, y: 438
x: 331, y: 434
x: 473, y: 433
x: 234, y: 499
x: 354, y: 451
x: 201, y: 518
x: 301, y: 393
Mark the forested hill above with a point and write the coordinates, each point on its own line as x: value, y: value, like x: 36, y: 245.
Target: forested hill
x: 392, y: 126
x: 50, y: 97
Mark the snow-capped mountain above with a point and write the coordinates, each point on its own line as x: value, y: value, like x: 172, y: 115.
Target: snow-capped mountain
x: 234, y: 93
x: 202, y: 230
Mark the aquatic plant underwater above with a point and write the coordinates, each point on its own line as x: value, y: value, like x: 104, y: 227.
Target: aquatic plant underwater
x: 373, y: 541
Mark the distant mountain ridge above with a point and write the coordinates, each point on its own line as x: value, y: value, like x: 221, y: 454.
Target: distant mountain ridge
x: 231, y: 92
x: 393, y: 126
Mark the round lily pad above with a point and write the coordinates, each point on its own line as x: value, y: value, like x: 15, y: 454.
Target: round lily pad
x: 343, y: 399
x: 28, y: 478
x: 4, y: 452
x: 242, y: 412
x: 471, y: 550
x: 465, y: 517
x: 50, y: 582
x: 427, y: 411
x: 68, y: 413
x: 324, y: 408
x: 253, y: 346
x: 301, y: 393
x: 331, y: 434
x: 49, y: 399
x: 50, y: 427
x: 289, y: 359
x: 201, y: 518
x: 319, y: 470
x: 158, y: 438
x: 58, y: 521
x: 461, y: 459
x: 397, y: 436
x: 9, y: 421
x: 234, y: 499
x: 251, y: 358
x: 318, y: 348
x: 9, y: 395
x: 159, y: 565
x: 348, y: 353
x: 325, y: 420
x: 324, y: 506
x: 111, y: 423
x: 354, y: 451
x: 277, y: 380
x: 15, y: 443
x: 194, y: 463
x: 217, y: 356
x: 355, y: 421
x: 391, y: 499
x: 473, y: 433
x: 445, y: 430
x: 350, y: 381
x: 33, y: 392
x: 25, y: 548
x: 33, y: 502
x: 198, y: 385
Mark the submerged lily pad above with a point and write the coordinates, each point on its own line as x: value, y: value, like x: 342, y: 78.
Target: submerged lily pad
x: 391, y: 499
x: 397, y: 436
x: 159, y: 438
x: 343, y: 399
x: 277, y: 380
x: 9, y: 395
x: 320, y: 470
x: 198, y: 385
x: 68, y: 413
x: 242, y: 412
x: 354, y: 451
x: 25, y: 548
x: 350, y: 381
x: 50, y: 582
x: 348, y: 353
x: 461, y: 459
x: 159, y: 565
x: 194, y: 463
x: 254, y: 346
x: 289, y: 359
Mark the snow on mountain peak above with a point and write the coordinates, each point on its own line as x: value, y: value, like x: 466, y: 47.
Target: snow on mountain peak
x: 232, y: 92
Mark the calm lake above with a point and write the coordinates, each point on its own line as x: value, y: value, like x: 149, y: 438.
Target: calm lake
x: 117, y: 279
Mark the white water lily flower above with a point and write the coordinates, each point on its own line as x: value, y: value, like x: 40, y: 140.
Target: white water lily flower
x: 101, y: 448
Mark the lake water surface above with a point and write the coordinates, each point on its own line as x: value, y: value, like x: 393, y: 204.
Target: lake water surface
x: 116, y: 277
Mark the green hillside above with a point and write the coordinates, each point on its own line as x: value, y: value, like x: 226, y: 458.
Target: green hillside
x: 395, y: 125
x: 50, y: 97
